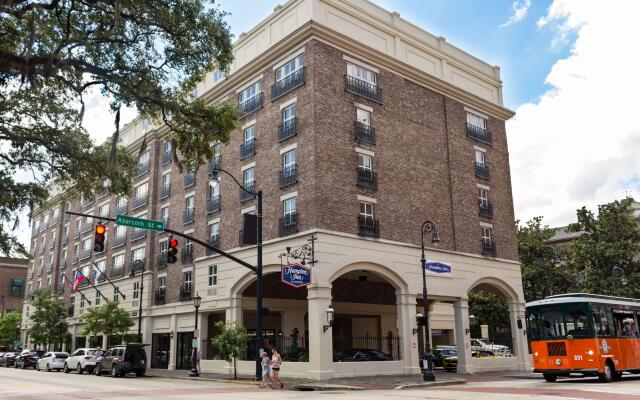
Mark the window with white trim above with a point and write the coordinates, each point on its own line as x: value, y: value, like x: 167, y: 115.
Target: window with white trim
x: 363, y: 116
x: 486, y: 235
x: 217, y: 76
x: 289, y: 161
x: 141, y: 190
x: 476, y: 120
x: 103, y: 211
x: 250, y: 92
x: 136, y: 290
x: 214, y: 188
x: 162, y: 283
x: 289, y: 68
x: 248, y: 176
x: 138, y: 254
x: 56, y: 212
x: 117, y: 261
x: 167, y: 146
x: 213, y: 275
x: 115, y: 294
x: 144, y: 158
x: 483, y: 196
x: 289, y: 113
x: 365, y: 161
x: 362, y: 73
x: 249, y: 134
x: 86, y: 244
x: 289, y: 209
x: 121, y: 202
x: 366, y: 210
x: 166, y: 179
x: 186, y: 281
x: 190, y: 203
x: 121, y: 230
x: 164, y: 213
x: 214, y: 232
x: 164, y: 246
x: 480, y: 158
x: 46, y: 219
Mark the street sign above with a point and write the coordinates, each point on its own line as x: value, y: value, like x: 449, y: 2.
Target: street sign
x: 140, y: 223
x: 194, y: 343
x: 295, y: 275
x: 196, y: 333
x: 438, y: 267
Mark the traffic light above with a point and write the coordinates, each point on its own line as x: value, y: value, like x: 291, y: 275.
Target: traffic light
x: 172, y: 253
x: 98, y: 241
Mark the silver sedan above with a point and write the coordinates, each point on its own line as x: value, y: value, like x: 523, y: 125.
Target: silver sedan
x: 52, y: 360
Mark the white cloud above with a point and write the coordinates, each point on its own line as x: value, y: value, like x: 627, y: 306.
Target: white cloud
x: 579, y: 143
x: 520, y: 8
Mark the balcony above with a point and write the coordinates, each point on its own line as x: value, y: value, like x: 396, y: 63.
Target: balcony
x: 287, y: 84
x: 121, y: 210
x: 139, y: 201
x: 247, y: 149
x: 165, y: 191
x: 143, y: 168
x: 70, y: 311
x: 248, y: 192
x: 213, y: 204
x: 482, y: 171
x: 138, y: 234
x: 86, y: 227
x: 289, y: 224
x: 362, y: 88
x: 189, y: 179
x: 119, y: 240
x: 165, y: 158
x: 185, y: 293
x: 83, y: 254
x: 186, y: 255
x: 213, y: 165
x: 480, y: 134
x: 87, y: 201
x: 488, y: 248
x: 287, y: 129
x: 365, y: 133
x: 485, y: 208
x: 248, y: 106
x: 162, y: 261
x: 187, y: 216
x: 160, y: 297
x: 367, y: 226
x: 288, y: 176
x: 367, y: 178
x: 117, y: 271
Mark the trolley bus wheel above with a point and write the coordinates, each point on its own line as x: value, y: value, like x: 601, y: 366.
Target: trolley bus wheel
x: 550, y: 377
x: 617, y: 375
x: 607, y: 375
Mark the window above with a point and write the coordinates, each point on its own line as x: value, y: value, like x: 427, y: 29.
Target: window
x: 188, y: 245
x: 136, y: 290
x: 248, y: 176
x: 366, y: 161
x: 363, y: 116
x: 56, y: 212
x: 81, y: 301
x: 289, y: 162
x: 46, y: 219
x: 249, y: 135
x: 104, y: 210
x: 145, y: 126
x: 118, y: 261
x: 65, y: 231
x: 162, y: 283
x: 361, y: 73
x: 50, y: 261
x: 44, y: 242
x: 289, y: 68
x: 138, y: 254
x: 213, y: 275
x: 76, y: 249
x: 480, y: 157
x: 49, y: 282
x: 166, y: 179
x: 115, y: 294
x: 167, y: 146
x: 141, y: 190
x: 214, y: 189
x: 39, y: 284
x: 164, y: 246
x: 37, y: 226
x: 53, y: 239
x: 366, y: 210
x: 121, y: 202
x: 64, y: 255
x: 601, y: 322
x: 217, y: 76
x: 214, y: 231
x: 486, y: 235
x: 121, y: 230
x: 289, y: 210
x: 289, y: 113
x: 216, y: 151
x: 186, y: 281
x: 164, y: 213
x: 625, y: 324
x: 97, y: 302
x: 483, y: 196
x: 79, y: 224
x: 86, y: 244
x: 250, y: 92
x: 101, y: 266
x: 189, y: 203
x: 144, y: 158
x: 476, y: 120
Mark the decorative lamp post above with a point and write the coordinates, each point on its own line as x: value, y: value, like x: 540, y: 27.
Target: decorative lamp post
x: 427, y: 358
x: 550, y: 253
x: 138, y: 265
x: 196, y: 337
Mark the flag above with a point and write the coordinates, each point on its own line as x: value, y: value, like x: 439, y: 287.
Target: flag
x: 77, y: 278
x: 96, y: 273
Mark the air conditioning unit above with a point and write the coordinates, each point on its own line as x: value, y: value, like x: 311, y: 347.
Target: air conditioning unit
x: 212, y: 291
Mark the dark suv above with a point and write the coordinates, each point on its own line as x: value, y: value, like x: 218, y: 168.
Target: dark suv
x: 123, y: 359
x: 28, y: 358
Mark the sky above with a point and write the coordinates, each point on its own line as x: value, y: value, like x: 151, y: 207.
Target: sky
x: 569, y: 71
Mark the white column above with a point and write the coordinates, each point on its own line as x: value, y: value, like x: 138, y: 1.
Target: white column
x: 519, y: 336
x: 320, y: 341
x: 234, y: 312
x: 173, y: 347
x: 203, y: 319
x: 463, y: 340
x: 74, y: 333
x: 104, y: 343
x: 408, y: 339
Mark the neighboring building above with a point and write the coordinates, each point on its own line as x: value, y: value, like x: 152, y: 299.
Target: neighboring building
x: 13, y: 275
x: 357, y: 126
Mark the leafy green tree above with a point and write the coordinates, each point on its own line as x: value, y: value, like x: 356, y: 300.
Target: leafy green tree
x: 535, y: 257
x: 49, y: 324
x: 610, y: 239
x: 8, y: 331
x: 231, y: 341
x: 108, y: 319
x: 492, y: 310
x: 147, y: 55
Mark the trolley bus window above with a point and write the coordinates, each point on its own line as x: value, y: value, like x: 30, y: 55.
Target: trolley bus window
x: 577, y: 323
x: 553, y: 324
x: 600, y: 322
x: 625, y: 323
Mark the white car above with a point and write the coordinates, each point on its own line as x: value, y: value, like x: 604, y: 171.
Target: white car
x: 497, y: 349
x: 52, y: 360
x: 81, y: 360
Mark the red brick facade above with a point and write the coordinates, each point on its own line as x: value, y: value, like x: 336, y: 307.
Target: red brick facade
x: 13, y: 277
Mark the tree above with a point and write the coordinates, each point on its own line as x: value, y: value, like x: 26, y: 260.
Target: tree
x: 231, y: 341
x: 8, y: 331
x: 108, y: 319
x: 610, y: 239
x: 49, y: 324
x: 490, y: 309
x: 535, y: 258
x: 55, y: 53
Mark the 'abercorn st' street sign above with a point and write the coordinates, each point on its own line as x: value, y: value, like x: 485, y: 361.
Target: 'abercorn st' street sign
x: 140, y: 223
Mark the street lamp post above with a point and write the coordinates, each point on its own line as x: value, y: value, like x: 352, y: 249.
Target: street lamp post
x: 259, y: 284
x: 139, y: 265
x: 427, y: 358
x: 550, y: 252
x: 18, y: 326
x: 196, y: 335
x: 617, y: 273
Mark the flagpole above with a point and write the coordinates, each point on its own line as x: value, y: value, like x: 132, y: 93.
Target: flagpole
x: 94, y: 286
x: 77, y: 289
x: 109, y: 280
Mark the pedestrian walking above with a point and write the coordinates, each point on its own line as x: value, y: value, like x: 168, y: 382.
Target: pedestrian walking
x: 276, y: 362
x: 266, y: 371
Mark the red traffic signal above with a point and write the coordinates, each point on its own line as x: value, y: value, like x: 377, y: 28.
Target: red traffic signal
x: 98, y: 240
x: 172, y: 252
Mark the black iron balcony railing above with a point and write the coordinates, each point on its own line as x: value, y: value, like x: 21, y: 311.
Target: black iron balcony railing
x: 482, y: 171
x: 185, y: 293
x: 213, y: 204
x: 162, y: 261
x: 214, y: 240
x: 365, y: 133
x: 485, y: 208
x: 477, y: 133
x: 161, y: 297
x: 187, y: 216
x: 488, y: 248
x: 250, y: 105
x: 362, y: 88
x: 83, y: 254
x: 248, y: 192
x: 165, y: 158
x: 213, y: 165
x: 165, y: 190
x: 367, y: 178
x: 287, y: 129
x: 288, y: 176
x: 287, y: 84
x: 289, y: 224
x: 138, y: 234
x: 119, y: 239
x: 121, y: 210
x: 139, y: 201
x: 87, y: 201
x: 189, y: 179
x: 247, y: 149
x: 186, y: 255
x: 368, y: 226
x: 86, y: 227
x: 143, y: 168
x: 70, y: 311
x: 117, y: 271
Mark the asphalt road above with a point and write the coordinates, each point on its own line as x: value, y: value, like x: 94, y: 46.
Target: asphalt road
x: 29, y: 384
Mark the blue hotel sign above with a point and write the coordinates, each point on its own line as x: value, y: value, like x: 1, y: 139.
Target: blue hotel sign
x: 438, y: 267
x: 295, y: 275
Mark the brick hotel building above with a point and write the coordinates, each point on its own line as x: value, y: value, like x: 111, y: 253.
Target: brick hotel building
x: 357, y: 126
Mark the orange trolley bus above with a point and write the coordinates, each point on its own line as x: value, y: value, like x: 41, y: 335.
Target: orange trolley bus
x: 585, y: 334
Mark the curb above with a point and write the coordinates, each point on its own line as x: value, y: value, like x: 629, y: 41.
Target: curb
x: 312, y: 387
x: 531, y: 376
x: 448, y: 382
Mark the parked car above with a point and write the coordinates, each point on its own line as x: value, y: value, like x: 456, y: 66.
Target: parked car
x: 479, y: 344
x: 363, y: 355
x: 123, y: 359
x: 451, y: 363
x: 8, y: 359
x: 441, y: 354
x: 52, y: 360
x: 81, y: 360
x: 28, y: 358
